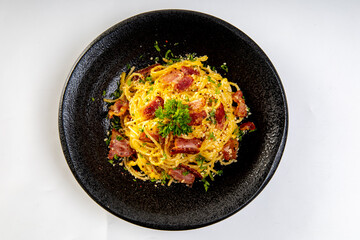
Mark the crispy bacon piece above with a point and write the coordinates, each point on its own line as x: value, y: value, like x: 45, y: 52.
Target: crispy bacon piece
x: 241, y: 109
x: 174, y: 76
x: 154, y: 134
x: 220, y: 116
x: 117, y: 147
x: 119, y: 108
x: 190, y: 169
x: 145, y: 71
x: 184, y: 83
x: 248, y: 126
x: 190, y: 146
x: 149, y: 110
x: 197, y: 104
x: 230, y: 149
x: 181, y: 80
x: 182, y: 175
x: 190, y: 71
x: 197, y: 117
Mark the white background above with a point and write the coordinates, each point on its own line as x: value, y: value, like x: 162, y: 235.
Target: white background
x: 314, y: 46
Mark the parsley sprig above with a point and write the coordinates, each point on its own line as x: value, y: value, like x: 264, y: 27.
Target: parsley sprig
x: 174, y: 117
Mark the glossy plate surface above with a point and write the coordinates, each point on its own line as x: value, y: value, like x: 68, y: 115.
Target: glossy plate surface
x: 83, y: 124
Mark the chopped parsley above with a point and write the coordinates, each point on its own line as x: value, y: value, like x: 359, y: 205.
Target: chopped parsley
x: 210, y: 80
x: 93, y: 99
x: 200, y: 160
x: 173, y: 118
x: 211, y: 117
x: 119, y: 138
x: 156, y: 46
x: 224, y: 67
x: 192, y: 57
x: 206, y: 184
x: 115, y: 122
x: 212, y: 136
x: 217, y: 91
x: 164, y: 177
x: 239, y: 133
x: 185, y: 173
x: 104, y: 93
x: 167, y: 54
x: 128, y: 66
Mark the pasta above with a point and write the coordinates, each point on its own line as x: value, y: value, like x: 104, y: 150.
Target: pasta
x: 176, y: 122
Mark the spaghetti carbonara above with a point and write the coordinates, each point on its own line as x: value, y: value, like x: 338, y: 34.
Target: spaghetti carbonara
x: 176, y: 122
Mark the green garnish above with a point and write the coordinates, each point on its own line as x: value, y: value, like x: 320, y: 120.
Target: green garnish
x: 217, y: 91
x: 224, y: 67
x: 164, y: 177
x: 104, y: 93
x: 156, y: 46
x: 212, y: 116
x: 212, y: 136
x: 239, y: 133
x: 200, y: 160
x: 206, y: 184
x: 210, y: 80
x: 185, y: 173
x: 167, y: 53
x: 93, y: 99
x: 156, y: 59
x: 128, y: 66
x: 119, y: 138
x: 174, y: 117
x: 111, y: 161
x: 115, y: 122
x: 175, y: 44
x: 191, y: 56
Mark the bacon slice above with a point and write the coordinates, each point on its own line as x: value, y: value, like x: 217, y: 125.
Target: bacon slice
x: 190, y: 71
x: 174, y: 76
x: 117, y: 147
x: 180, y: 79
x: 149, y: 110
x: 230, y: 149
x: 241, y: 109
x: 119, y: 108
x: 190, y: 169
x: 190, y: 146
x: 197, y: 117
x: 154, y: 134
x: 184, y: 83
x: 182, y: 175
x: 248, y: 126
x: 145, y: 71
x: 197, y: 104
x: 220, y: 116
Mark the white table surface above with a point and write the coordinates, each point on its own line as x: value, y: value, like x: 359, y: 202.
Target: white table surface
x: 314, y: 46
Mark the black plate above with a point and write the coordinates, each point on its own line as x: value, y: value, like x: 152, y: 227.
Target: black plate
x: 83, y: 124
